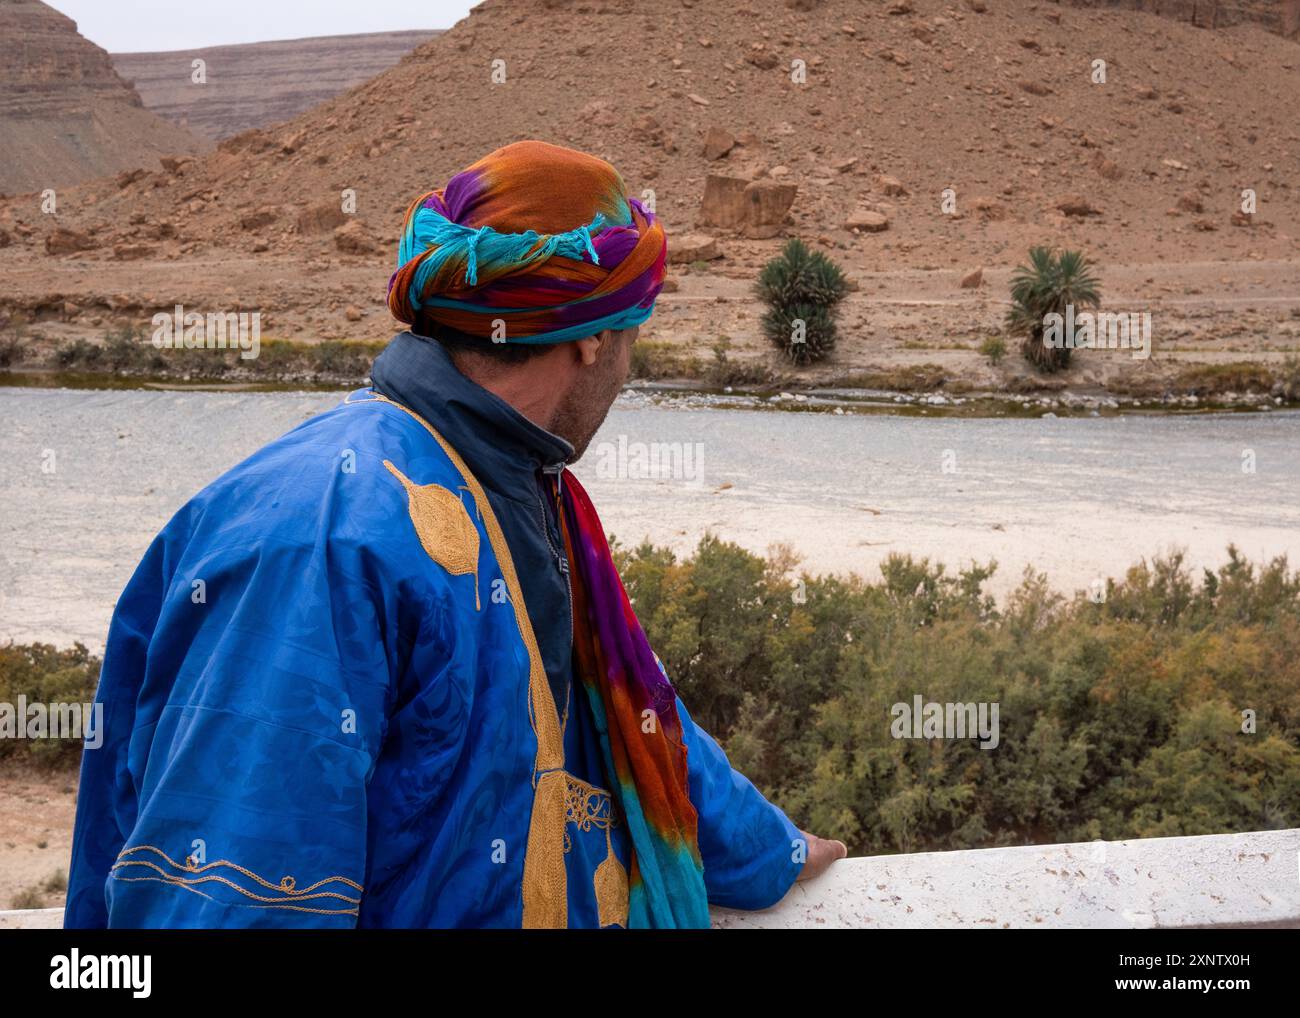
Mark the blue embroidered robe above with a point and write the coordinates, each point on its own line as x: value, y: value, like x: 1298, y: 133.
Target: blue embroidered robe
x: 325, y: 705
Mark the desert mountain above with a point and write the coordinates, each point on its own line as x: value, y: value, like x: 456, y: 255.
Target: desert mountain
x: 914, y: 139
x: 259, y: 83
x: 1004, y: 107
x: 65, y: 114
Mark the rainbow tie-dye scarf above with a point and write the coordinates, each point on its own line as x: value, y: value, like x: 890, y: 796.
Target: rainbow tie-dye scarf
x: 635, y: 709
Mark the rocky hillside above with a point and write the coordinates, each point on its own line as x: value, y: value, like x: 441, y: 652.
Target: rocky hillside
x: 65, y: 114
x: 901, y: 133
x: 260, y: 83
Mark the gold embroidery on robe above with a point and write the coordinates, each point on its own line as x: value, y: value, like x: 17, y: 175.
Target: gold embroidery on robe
x: 611, y: 888
x: 585, y: 807
x: 545, y: 884
x: 288, y: 897
x: 443, y: 526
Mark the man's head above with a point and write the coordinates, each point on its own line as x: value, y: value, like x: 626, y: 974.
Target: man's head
x: 567, y: 388
x: 535, y: 269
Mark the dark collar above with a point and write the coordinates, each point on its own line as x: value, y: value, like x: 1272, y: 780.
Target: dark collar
x: 501, y: 447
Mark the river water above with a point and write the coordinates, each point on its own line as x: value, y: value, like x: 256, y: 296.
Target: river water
x: 88, y: 477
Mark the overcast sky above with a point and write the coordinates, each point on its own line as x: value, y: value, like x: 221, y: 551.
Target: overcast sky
x: 133, y: 26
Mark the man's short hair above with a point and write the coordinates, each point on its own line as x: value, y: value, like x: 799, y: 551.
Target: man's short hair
x: 460, y: 342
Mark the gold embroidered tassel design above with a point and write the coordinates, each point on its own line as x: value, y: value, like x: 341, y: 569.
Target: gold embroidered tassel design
x: 545, y: 891
x: 611, y: 889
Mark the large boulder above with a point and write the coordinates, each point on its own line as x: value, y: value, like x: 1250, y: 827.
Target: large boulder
x: 758, y: 207
x: 766, y: 205
x: 724, y: 201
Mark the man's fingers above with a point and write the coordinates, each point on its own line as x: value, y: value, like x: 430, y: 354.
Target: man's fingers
x: 821, y: 853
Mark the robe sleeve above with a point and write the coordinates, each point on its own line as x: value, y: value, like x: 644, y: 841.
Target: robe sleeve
x: 247, y: 687
x: 749, y: 846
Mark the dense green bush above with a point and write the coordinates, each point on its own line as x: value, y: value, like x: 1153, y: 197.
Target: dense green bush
x: 45, y: 675
x: 1117, y: 719
x: 802, y: 290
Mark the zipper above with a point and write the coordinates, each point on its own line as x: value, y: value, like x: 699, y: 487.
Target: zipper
x: 561, y: 558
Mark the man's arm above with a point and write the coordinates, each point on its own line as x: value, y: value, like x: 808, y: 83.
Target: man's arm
x: 752, y: 853
x: 245, y: 694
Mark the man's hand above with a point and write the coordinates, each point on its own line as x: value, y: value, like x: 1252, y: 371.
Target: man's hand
x: 821, y: 853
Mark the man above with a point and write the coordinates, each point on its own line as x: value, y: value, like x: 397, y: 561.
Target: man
x: 383, y: 672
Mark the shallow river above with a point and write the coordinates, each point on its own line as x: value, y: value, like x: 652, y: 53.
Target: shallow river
x: 1077, y: 498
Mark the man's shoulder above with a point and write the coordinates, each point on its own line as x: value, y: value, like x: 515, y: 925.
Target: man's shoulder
x: 337, y: 475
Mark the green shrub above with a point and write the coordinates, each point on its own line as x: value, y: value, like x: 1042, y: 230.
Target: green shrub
x: 994, y: 348
x: 802, y: 290
x: 1119, y: 719
x: 46, y: 675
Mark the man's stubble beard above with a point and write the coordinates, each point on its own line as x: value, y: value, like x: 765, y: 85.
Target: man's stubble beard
x: 585, y: 407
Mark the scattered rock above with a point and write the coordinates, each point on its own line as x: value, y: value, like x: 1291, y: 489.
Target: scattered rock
x: 1076, y: 205
x: 1190, y: 201
x: 352, y: 313
x: 321, y: 218
x: 891, y: 186
x: 175, y: 165
x: 692, y: 247
x: 973, y: 279
x: 352, y: 238
x: 262, y: 217
x: 61, y: 241
x: 132, y: 252
x: 718, y: 142
x: 867, y: 221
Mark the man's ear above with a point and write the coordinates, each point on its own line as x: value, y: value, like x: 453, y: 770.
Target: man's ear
x: 589, y: 348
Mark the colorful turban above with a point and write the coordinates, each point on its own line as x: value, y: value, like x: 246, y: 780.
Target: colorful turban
x: 536, y: 236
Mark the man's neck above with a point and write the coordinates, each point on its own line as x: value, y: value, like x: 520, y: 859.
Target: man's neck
x: 532, y: 396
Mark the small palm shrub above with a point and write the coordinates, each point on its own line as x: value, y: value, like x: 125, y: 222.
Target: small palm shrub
x: 1049, y: 284
x: 802, y: 290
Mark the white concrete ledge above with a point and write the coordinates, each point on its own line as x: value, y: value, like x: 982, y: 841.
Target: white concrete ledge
x: 1218, y: 880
